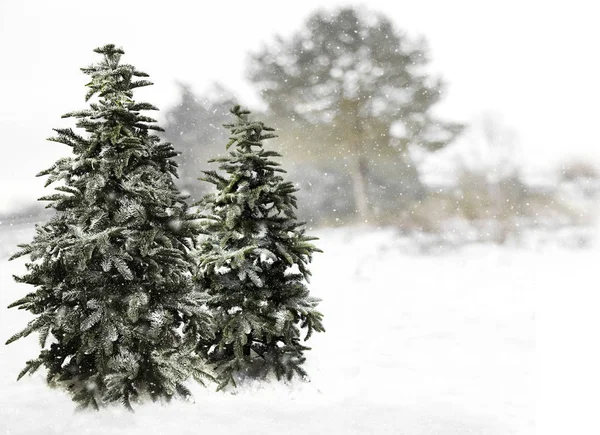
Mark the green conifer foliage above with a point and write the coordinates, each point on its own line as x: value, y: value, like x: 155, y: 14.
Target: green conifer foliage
x: 114, y: 304
x: 253, y: 262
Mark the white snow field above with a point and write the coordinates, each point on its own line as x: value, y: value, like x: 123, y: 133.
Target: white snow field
x: 416, y: 344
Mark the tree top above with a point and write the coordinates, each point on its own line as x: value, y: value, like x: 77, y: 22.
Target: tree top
x: 109, y: 50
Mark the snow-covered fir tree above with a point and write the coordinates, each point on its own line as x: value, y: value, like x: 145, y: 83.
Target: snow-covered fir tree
x: 253, y: 262
x: 114, y: 302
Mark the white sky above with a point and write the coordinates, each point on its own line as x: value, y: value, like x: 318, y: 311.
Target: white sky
x: 534, y: 63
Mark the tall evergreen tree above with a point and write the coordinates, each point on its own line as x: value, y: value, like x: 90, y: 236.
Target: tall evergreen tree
x: 253, y: 262
x: 111, y: 269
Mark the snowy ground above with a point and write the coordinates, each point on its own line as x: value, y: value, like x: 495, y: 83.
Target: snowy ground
x: 415, y: 344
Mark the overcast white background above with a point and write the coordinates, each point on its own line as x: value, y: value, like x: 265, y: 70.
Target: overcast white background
x: 533, y: 63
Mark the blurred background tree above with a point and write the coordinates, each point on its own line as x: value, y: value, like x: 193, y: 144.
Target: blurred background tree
x: 350, y: 95
x: 194, y: 125
x: 353, y: 102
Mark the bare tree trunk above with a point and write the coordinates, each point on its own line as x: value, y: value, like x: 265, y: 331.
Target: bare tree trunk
x: 359, y: 184
x: 351, y: 129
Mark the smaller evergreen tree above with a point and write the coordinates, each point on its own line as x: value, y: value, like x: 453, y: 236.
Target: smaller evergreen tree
x: 253, y: 262
x: 112, y: 268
